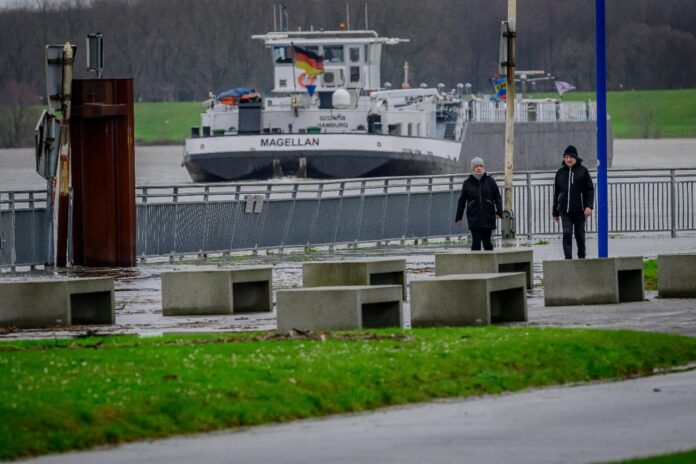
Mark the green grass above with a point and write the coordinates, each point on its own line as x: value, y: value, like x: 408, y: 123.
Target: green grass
x: 676, y: 458
x: 634, y: 114
x: 60, y: 395
x: 646, y: 113
x: 165, y: 122
x: 650, y: 274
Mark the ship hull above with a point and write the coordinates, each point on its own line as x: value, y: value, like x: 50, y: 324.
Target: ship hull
x: 326, y: 156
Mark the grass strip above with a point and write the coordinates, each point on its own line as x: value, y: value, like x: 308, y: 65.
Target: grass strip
x: 674, y: 458
x: 650, y: 274
x: 645, y: 113
x: 61, y: 395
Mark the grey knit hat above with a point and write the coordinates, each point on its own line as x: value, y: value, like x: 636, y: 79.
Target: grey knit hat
x: 476, y: 162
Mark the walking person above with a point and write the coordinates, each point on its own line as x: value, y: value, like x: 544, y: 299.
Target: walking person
x: 573, y: 199
x: 481, y: 198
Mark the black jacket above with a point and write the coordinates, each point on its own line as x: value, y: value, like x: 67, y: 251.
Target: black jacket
x: 573, y: 190
x: 482, y: 202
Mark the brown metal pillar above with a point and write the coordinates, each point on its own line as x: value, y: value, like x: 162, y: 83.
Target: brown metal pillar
x: 103, y: 172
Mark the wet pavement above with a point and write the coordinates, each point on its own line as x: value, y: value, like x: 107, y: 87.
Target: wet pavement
x: 138, y: 290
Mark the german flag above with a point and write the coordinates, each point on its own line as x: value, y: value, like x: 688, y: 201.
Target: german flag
x: 308, y: 61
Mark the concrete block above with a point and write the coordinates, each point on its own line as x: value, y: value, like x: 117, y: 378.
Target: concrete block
x: 355, y: 272
x: 676, y: 276
x: 42, y: 303
x: 468, y: 299
x: 226, y: 291
x: 477, y: 262
x: 339, y: 307
x: 593, y: 281
x: 91, y: 300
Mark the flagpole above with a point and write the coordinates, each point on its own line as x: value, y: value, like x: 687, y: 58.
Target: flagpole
x: 293, y: 100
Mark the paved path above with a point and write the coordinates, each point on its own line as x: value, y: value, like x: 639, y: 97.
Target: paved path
x: 589, y: 423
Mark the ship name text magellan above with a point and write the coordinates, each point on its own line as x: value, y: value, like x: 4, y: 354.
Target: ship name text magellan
x: 290, y: 142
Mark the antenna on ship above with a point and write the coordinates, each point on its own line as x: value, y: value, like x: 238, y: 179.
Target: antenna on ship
x: 275, y: 20
x: 347, y: 16
x: 366, y: 26
x: 405, y: 84
x: 281, y: 9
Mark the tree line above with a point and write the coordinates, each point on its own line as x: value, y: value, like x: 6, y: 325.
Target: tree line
x: 179, y: 50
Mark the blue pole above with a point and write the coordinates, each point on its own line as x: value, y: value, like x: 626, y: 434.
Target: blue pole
x: 601, y: 84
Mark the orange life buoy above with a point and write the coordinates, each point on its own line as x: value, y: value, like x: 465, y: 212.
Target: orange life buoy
x: 305, y: 79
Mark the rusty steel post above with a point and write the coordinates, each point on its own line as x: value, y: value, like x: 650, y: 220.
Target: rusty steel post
x: 64, y: 163
x: 103, y: 171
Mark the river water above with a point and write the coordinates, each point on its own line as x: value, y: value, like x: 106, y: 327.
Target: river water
x: 161, y: 165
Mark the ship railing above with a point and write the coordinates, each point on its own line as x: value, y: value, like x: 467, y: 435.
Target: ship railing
x: 462, y: 116
x: 534, y: 111
x: 200, y: 219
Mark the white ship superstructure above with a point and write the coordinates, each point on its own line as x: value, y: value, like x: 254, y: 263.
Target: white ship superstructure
x: 341, y: 123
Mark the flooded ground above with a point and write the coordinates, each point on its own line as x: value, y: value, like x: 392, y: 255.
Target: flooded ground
x: 139, y: 303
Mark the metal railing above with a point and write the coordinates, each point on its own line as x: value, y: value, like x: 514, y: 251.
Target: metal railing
x: 22, y: 228
x: 533, y: 111
x: 208, y: 218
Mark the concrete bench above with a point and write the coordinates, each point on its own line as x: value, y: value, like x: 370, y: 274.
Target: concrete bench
x: 468, y: 299
x: 339, y: 308
x: 593, y: 281
x: 676, y: 276
x: 476, y: 262
x: 355, y: 272
x: 42, y: 303
x: 228, y: 291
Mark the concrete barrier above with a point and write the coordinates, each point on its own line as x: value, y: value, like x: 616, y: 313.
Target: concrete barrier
x: 42, y: 303
x: 228, y: 291
x: 355, y: 272
x: 477, y: 262
x: 339, y: 308
x: 676, y: 276
x: 593, y: 281
x: 468, y: 299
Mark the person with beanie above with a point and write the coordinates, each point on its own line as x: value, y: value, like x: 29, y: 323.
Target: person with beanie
x: 481, y: 199
x: 573, y: 200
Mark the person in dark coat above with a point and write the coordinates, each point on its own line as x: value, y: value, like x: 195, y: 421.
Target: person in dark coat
x: 573, y: 200
x: 481, y: 198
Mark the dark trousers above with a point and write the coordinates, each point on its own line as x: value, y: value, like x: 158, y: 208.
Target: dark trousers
x: 573, y: 223
x: 481, y: 235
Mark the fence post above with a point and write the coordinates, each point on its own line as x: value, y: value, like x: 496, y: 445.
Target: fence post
x: 362, y: 209
x: 430, y: 206
x: 530, y: 221
x: 13, y: 233
x: 384, y: 208
x: 340, y: 207
x: 145, y: 224
x: 175, y: 225
x: 295, y: 187
x: 673, y: 201
x: 320, y: 190
x: 206, y: 201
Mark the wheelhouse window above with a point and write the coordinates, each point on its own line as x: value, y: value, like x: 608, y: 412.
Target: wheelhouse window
x: 354, y: 54
x: 282, y: 54
x: 355, y: 73
x: 333, y: 54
